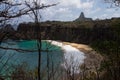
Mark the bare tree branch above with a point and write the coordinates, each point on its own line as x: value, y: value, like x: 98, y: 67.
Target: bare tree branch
x: 23, y: 50
x: 8, y: 13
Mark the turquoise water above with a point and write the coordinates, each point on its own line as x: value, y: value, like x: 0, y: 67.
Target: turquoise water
x: 12, y: 57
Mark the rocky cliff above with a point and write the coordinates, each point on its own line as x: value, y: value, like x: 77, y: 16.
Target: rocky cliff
x: 70, y: 31
x: 80, y: 32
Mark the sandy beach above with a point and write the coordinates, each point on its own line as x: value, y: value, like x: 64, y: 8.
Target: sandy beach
x: 92, y: 60
x: 83, y: 55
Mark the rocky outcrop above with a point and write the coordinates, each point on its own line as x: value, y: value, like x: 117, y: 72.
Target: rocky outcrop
x: 7, y: 32
x: 7, y: 28
x: 83, y: 18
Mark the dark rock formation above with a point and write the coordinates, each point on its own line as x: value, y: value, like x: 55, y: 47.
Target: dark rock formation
x: 7, y: 32
x: 7, y: 28
x: 83, y: 18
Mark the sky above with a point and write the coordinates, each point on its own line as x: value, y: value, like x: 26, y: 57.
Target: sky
x: 69, y: 10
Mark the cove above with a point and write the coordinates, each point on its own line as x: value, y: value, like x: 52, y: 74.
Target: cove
x: 12, y: 57
x: 59, y: 57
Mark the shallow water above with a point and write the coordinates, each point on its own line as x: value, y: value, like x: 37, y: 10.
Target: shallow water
x: 29, y: 58
x: 71, y: 59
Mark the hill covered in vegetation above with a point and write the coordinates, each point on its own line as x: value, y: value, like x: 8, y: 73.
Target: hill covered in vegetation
x: 102, y: 35
x: 80, y: 32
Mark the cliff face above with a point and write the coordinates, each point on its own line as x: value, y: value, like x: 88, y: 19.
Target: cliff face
x: 74, y: 32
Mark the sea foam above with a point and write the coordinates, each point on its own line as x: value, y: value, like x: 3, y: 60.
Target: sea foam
x: 73, y: 57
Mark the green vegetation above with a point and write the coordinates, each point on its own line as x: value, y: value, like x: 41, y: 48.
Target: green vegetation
x: 101, y: 35
x: 110, y: 49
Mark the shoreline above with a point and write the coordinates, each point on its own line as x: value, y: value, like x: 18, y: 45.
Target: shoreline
x: 73, y: 57
x: 92, y: 60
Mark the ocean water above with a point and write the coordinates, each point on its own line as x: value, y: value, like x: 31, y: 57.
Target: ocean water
x: 59, y: 57
x: 54, y: 55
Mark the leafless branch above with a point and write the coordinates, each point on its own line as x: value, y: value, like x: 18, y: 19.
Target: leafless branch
x: 23, y: 50
x: 6, y: 14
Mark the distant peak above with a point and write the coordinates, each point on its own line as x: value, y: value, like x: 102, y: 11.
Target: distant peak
x: 82, y: 15
x: 83, y: 18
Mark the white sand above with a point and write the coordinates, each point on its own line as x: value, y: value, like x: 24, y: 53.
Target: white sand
x: 73, y: 57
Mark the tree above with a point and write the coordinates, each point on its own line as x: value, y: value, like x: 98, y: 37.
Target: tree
x: 9, y: 12
x: 113, y: 2
x: 35, y: 10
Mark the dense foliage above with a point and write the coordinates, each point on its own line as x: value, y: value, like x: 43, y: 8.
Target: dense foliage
x: 110, y: 49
